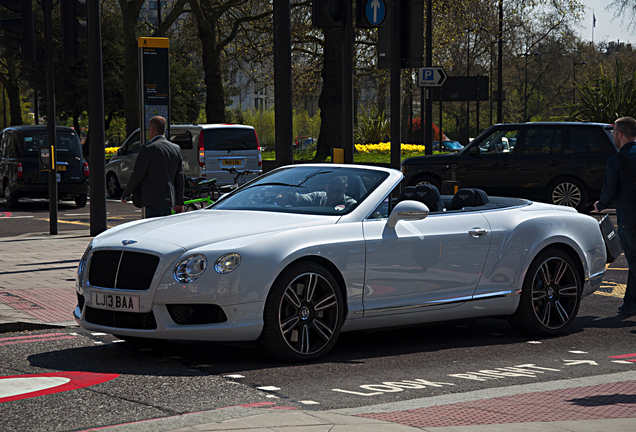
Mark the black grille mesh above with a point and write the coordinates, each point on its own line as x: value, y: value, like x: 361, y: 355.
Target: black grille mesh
x: 129, y: 320
x: 132, y: 271
x: 188, y: 314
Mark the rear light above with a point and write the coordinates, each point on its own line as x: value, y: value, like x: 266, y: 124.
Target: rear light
x: 20, y: 172
x: 258, y: 147
x: 85, y: 169
x: 201, y: 150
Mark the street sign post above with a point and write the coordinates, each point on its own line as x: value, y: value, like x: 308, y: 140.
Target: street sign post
x: 431, y: 76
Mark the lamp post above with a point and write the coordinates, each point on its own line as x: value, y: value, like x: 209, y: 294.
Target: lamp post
x: 468, y: 30
x: 525, y: 89
x: 574, y: 79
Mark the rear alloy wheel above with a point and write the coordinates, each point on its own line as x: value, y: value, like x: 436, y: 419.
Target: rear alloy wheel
x: 303, y: 314
x: 112, y: 186
x: 12, y: 198
x: 570, y: 193
x: 427, y: 180
x: 551, y: 295
x: 80, y: 200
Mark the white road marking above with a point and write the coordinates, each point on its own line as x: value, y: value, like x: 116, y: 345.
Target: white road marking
x: 534, y: 342
x: 18, y: 386
x: 309, y: 402
x: 576, y: 362
x: 234, y: 376
x: 268, y: 388
x: 98, y: 334
x: 578, y: 352
x: 622, y: 361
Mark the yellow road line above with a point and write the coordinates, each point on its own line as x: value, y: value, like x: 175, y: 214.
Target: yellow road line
x: 611, y: 289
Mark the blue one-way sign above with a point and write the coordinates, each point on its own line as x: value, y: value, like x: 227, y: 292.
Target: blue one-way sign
x: 431, y: 76
x: 375, y: 11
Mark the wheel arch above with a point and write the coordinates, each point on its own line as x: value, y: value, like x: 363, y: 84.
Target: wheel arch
x: 422, y: 175
x: 329, y: 266
x: 568, y: 176
x: 571, y: 252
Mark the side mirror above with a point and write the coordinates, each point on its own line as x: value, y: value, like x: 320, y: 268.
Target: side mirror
x: 407, y: 210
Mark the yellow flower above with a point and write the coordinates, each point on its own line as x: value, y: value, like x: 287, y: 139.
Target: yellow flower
x: 385, y: 148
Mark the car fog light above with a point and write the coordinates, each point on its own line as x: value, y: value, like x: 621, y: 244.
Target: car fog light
x: 190, y: 268
x: 226, y: 263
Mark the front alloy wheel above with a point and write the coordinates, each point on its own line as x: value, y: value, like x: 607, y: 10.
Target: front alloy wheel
x: 303, y: 314
x: 551, y: 295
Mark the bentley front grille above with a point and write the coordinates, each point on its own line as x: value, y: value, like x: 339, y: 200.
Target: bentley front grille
x: 122, y: 270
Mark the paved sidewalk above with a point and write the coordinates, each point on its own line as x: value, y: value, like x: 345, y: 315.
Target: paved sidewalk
x: 37, y: 279
x: 37, y: 290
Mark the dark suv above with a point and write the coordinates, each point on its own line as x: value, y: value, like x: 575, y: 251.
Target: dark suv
x: 20, y: 165
x: 554, y: 162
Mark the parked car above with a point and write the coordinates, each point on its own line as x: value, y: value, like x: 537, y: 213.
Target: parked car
x: 290, y: 275
x: 20, y: 164
x: 206, y: 150
x: 554, y: 162
x: 447, y: 146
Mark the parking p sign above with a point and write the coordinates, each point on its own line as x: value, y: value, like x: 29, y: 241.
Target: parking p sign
x: 433, y: 76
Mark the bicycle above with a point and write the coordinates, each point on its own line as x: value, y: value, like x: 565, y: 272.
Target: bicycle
x: 240, y: 177
x: 199, y: 193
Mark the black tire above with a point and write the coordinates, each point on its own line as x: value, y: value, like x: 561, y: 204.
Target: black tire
x: 12, y: 198
x: 568, y: 192
x: 551, y: 295
x: 113, y: 187
x: 80, y: 200
x: 303, y: 314
x: 426, y: 179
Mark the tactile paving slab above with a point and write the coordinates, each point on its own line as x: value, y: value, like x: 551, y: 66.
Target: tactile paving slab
x: 46, y: 305
x: 603, y: 401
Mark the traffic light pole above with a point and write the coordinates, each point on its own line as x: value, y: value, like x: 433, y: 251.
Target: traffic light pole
x: 50, y: 114
x: 429, y: 100
x: 96, y: 120
x: 396, y: 89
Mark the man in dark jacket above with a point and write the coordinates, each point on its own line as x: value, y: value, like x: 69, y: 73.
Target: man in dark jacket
x: 157, y: 179
x: 621, y: 189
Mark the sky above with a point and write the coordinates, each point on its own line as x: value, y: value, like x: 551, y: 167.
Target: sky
x: 607, y: 27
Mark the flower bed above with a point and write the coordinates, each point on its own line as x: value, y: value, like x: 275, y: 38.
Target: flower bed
x: 385, y: 148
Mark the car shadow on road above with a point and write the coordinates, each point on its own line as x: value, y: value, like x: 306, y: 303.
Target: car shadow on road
x: 171, y: 358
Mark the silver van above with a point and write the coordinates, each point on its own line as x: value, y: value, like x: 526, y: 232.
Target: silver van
x: 205, y: 148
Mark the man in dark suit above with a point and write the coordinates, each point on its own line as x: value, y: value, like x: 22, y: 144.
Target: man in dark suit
x: 157, y: 179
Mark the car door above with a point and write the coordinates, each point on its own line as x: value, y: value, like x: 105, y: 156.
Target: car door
x: 433, y: 262
x: 127, y: 158
x: 537, y: 161
x: 489, y: 163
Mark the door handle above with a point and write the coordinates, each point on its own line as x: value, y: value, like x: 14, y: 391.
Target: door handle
x: 477, y: 232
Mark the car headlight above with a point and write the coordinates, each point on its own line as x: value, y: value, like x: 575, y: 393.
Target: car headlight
x: 190, y: 268
x: 226, y: 263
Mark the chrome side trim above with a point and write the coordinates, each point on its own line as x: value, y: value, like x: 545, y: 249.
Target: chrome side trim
x: 600, y: 274
x: 505, y: 293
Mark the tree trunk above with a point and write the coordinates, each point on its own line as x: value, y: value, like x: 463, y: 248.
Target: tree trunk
x: 215, y: 99
x: 130, y: 17
x: 330, y: 100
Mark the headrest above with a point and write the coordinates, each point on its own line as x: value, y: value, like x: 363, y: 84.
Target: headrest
x: 429, y: 195
x: 407, y: 193
x: 468, y: 197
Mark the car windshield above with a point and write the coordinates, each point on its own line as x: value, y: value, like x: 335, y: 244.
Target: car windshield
x: 64, y: 143
x: 453, y: 145
x: 306, y: 190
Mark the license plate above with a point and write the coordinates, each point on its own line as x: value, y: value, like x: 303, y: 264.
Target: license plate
x: 115, y: 301
x: 61, y: 167
x: 231, y: 162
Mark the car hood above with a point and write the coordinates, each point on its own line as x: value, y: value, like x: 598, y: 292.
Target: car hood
x: 194, y: 229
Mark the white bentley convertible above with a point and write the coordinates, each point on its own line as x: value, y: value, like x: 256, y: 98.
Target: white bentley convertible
x: 305, y: 252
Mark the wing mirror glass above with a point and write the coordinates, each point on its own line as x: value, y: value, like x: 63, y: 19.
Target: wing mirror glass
x: 407, y: 210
